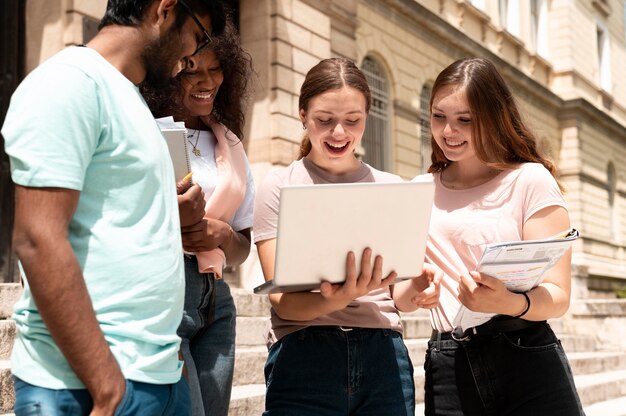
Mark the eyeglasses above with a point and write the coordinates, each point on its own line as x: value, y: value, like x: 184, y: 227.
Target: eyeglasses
x: 207, y: 38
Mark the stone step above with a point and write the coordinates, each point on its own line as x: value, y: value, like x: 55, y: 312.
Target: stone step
x: 602, y: 317
x: 249, y: 364
x: 7, y: 395
x: 247, y: 400
x: 9, y: 293
x: 577, y: 343
x: 249, y: 304
x: 604, y: 394
x: 600, y: 387
x: 613, y: 407
x: 7, y: 336
x: 596, y: 362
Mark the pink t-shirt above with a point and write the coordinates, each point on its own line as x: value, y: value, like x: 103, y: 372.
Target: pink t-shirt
x: 374, y: 310
x: 464, y: 221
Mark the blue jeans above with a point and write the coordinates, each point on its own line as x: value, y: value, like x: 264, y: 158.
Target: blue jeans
x: 208, y: 341
x: 140, y: 399
x: 517, y: 373
x: 324, y: 371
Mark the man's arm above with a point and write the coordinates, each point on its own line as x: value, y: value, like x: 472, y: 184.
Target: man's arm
x: 42, y: 217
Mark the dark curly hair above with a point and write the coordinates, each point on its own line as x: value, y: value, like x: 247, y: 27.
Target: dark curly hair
x: 231, y: 100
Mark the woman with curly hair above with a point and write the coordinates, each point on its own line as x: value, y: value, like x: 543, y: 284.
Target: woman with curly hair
x: 210, y: 98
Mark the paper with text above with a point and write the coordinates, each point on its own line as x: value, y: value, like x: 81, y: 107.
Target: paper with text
x: 521, y: 265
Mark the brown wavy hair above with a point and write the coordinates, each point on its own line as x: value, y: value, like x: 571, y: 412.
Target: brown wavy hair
x: 233, y: 95
x: 500, y: 137
x: 330, y: 74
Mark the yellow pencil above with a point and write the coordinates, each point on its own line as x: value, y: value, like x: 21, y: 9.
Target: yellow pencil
x: 187, y: 177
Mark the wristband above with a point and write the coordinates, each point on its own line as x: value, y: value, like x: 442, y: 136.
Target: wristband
x: 527, y: 306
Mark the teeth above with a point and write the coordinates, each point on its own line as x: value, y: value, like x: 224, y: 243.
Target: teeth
x: 336, y: 145
x: 203, y: 96
x: 454, y: 142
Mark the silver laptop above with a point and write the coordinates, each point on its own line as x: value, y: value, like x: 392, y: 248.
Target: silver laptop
x: 319, y: 224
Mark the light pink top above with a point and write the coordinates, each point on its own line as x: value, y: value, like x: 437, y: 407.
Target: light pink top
x: 464, y: 221
x: 374, y: 310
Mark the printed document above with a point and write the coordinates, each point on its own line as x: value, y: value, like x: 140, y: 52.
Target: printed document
x: 521, y: 265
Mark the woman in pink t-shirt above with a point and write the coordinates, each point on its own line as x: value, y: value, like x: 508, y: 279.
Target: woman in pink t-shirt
x: 492, y: 186
x: 338, y: 351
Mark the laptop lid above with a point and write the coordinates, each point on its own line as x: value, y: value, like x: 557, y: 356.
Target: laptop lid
x: 319, y: 224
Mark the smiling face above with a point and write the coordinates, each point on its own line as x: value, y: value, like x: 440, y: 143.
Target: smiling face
x: 201, y: 84
x: 335, y: 121
x: 451, y: 124
x: 170, y: 52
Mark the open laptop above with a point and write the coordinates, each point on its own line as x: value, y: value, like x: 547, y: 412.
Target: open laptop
x: 319, y: 224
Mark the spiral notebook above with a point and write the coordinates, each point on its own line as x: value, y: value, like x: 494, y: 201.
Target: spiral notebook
x: 175, y: 135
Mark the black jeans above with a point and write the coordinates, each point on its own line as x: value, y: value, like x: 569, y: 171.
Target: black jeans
x: 519, y: 373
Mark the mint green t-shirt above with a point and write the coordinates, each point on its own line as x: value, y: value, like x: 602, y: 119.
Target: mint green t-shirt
x: 76, y: 122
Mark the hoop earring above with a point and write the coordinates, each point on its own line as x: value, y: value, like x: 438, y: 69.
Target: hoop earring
x: 303, y: 126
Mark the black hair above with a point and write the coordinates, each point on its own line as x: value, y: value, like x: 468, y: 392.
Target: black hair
x: 132, y: 12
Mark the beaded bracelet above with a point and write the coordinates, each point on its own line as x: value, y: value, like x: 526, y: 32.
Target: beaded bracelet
x: 527, y: 306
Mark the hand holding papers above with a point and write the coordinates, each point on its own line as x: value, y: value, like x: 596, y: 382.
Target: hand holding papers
x: 520, y: 265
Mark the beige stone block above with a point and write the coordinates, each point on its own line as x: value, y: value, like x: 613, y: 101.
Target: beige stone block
x: 286, y: 127
x: 259, y: 150
x: 290, y: 32
x: 283, y: 78
x: 303, y: 61
x: 73, y: 33
x: 283, y: 152
x: 344, y: 45
x: 282, y: 102
x: 306, y: 16
x: 407, y: 156
x: 258, y: 120
x: 298, y: 79
x: 282, y: 53
x: 406, y: 171
x: 254, y: 29
x: 320, y: 47
x: 282, y: 8
x: 90, y: 8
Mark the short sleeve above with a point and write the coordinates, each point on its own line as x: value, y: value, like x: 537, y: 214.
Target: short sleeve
x: 244, y: 216
x: 266, y: 208
x: 541, y: 190
x: 52, y: 127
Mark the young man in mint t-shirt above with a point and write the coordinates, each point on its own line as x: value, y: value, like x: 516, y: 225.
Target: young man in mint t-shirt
x: 96, y: 222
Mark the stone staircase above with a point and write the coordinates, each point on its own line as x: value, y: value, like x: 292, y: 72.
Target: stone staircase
x: 599, y: 365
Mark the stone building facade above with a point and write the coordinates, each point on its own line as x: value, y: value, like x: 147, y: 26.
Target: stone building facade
x: 565, y: 60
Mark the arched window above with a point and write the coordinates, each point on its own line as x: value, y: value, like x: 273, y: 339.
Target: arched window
x: 611, y: 187
x: 376, y: 139
x: 425, y: 134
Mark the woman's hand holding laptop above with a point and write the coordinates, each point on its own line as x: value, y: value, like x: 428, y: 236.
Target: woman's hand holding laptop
x: 356, y: 285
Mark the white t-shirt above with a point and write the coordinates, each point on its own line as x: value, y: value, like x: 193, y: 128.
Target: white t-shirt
x: 205, y: 174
